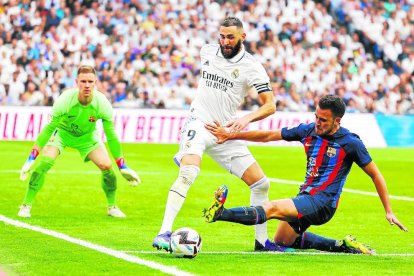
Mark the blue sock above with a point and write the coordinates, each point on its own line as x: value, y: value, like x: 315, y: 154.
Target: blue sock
x: 309, y: 240
x: 244, y: 215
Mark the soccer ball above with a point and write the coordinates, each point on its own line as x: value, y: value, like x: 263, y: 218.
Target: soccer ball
x: 185, y: 243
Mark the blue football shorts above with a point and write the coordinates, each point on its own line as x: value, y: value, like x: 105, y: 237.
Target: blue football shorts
x: 312, y: 211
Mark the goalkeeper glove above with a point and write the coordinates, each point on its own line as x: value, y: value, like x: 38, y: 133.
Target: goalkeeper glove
x: 25, y: 171
x: 130, y: 175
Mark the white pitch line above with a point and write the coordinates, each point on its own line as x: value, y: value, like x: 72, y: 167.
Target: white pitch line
x: 108, y: 251
x: 275, y: 180
x: 274, y: 252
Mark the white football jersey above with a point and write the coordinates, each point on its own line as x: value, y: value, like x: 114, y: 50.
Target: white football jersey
x: 224, y: 83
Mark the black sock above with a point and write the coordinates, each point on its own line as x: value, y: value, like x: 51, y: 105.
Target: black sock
x: 244, y: 215
x: 309, y: 240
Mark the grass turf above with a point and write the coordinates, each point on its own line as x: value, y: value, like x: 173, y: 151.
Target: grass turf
x: 72, y: 202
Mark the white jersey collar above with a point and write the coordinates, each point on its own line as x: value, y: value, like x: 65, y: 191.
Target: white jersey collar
x: 234, y: 59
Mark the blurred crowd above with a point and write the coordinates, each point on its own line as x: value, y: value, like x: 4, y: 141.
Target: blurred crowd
x: 146, y: 52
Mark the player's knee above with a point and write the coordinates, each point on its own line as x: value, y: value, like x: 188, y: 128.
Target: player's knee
x: 261, y: 186
x: 273, y: 209
x: 104, y: 165
x: 287, y: 242
x: 185, y: 179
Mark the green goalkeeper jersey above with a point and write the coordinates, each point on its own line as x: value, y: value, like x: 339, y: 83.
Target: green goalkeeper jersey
x: 73, y: 118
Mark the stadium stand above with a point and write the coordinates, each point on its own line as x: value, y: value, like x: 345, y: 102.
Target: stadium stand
x: 147, y: 52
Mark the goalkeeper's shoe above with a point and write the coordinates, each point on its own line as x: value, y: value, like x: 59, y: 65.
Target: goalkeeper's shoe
x: 271, y: 246
x: 131, y: 176
x: 351, y: 245
x: 24, y: 211
x: 163, y: 241
x: 216, y: 208
x: 115, y: 212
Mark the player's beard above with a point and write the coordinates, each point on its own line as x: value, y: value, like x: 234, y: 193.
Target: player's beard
x: 234, y: 51
x: 327, y: 132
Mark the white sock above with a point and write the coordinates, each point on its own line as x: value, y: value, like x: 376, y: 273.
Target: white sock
x: 177, y: 195
x: 259, y: 193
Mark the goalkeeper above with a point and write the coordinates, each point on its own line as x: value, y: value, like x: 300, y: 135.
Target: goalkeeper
x: 73, y: 124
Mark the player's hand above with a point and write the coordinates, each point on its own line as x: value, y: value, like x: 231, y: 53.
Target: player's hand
x: 217, y: 130
x: 237, y: 125
x: 28, y: 165
x: 129, y: 174
x: 393, y: 220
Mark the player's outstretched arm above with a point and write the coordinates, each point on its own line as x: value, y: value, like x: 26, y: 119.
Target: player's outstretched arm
x: 129, y: 174
x: 223, y: 134
x: 28, y: 165
x: 372, y: 170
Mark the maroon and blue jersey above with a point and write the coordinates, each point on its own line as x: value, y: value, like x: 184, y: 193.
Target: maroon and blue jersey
x: 329, y: 159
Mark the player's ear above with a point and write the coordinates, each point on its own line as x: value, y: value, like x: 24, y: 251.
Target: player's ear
x: 243, y: 37
x: 338, y: 120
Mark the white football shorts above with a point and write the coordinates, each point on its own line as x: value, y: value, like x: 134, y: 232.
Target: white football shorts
x: 233, y: 155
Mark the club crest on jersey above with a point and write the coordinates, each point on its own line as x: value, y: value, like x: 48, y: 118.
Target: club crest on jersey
x: 92, y: 119
x: 235, y: 74
x: 331, y: 152
x: 187, y: 145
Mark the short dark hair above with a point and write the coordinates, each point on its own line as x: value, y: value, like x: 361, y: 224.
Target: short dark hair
x: 333, y: 103
x: 86, y: 69
x: 232, y: 21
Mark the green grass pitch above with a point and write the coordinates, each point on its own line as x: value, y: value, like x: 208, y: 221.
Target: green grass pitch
x: 72, y: 203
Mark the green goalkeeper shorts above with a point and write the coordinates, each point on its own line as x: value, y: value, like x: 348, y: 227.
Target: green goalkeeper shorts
x: 85, y: 144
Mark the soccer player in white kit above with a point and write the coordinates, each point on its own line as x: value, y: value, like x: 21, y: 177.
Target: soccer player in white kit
x: 227, y: 73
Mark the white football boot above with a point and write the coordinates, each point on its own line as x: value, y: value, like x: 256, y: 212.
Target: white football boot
x: 115, y: 212
x: 24, y: 211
